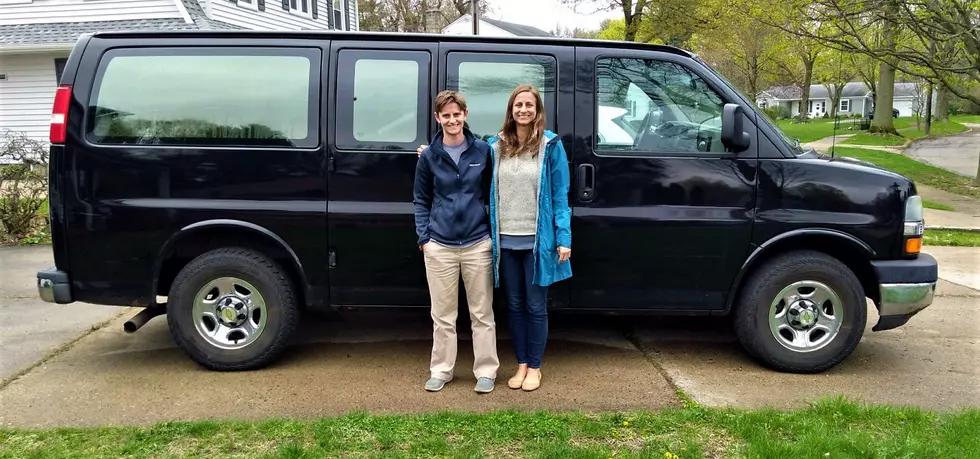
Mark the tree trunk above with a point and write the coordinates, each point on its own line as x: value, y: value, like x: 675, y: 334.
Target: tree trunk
x: 929, y: 109
x: 884, y: 98
x: 942, y: 103
x: 805, y: 87
x: 976, y: 180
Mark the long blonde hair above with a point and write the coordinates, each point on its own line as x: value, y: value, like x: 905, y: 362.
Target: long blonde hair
x: 510, y: 143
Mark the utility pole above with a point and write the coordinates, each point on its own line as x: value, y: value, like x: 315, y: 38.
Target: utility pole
x: 476, y: 19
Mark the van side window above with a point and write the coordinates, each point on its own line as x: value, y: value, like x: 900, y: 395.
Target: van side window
x: 382, y: 99
x: 226, y: 97
x: 487, y: 79
x: 649, y: 107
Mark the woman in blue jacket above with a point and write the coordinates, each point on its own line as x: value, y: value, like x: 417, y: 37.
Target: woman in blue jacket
x: 530, y: 223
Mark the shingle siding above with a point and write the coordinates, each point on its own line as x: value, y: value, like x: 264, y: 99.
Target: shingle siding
x: 60, y: 11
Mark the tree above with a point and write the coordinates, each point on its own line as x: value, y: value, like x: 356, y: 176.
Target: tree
x: 633, y: 11
x: 413, y: 15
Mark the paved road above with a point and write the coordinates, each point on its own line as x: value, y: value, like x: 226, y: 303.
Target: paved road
x: 29, y: 327
x: 376, y: 361
x: 958, y: 153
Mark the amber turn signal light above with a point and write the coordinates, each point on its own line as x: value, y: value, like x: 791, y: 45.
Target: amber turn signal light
x: 913, y: 245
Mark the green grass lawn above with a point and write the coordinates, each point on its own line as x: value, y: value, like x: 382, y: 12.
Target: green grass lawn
x: 937, y: 206
x: 907, y: 131
x: 832, y: 428
x: 973, y: 119
x: 808, y: 132
x: 920, y: 173
x: 952, y: 238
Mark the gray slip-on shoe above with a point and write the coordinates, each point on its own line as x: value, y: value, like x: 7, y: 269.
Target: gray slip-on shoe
x: 435, y: 384
x: 484, y: 385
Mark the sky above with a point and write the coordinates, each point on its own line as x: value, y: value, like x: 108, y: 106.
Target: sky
x: 542, y: 13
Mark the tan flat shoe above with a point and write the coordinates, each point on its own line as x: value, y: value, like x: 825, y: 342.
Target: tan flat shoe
x: 517, y: 380
x: 532, y: 381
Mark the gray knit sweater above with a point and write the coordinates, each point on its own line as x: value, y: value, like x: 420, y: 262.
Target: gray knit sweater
x: 518, y: 192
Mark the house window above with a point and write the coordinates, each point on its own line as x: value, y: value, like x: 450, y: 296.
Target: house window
x: 382, y: 100
x: 338, y: 16
x: 250, y: 4
x: 273, y: 101
x: 845, y: 105
x: 649, y: 107
x: 301, y: 8
x: 59, y: 68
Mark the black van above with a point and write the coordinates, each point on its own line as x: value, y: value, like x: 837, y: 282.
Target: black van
x: 247, y: 176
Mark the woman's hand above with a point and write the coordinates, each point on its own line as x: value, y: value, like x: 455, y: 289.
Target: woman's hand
x: 419, y: 151
x: 564, y: 253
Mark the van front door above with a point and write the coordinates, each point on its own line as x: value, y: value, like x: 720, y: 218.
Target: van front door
x: 662, y: 214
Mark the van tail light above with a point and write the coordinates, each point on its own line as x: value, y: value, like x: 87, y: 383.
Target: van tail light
x: 59, y: 114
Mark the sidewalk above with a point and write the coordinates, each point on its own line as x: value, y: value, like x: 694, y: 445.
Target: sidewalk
x: 952, y: 220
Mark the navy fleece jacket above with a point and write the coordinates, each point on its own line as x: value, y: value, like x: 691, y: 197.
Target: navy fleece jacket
x: 451, y: 199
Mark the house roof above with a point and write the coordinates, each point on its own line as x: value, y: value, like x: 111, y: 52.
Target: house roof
x: 68, y: 32
x: 520, y: 30
x: 819, y: 91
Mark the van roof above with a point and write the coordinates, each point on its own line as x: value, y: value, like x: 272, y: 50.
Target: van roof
x: 388, y: 36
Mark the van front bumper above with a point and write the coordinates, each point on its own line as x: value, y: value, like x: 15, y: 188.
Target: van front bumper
x: 905, y: 287
x: 54, y: 286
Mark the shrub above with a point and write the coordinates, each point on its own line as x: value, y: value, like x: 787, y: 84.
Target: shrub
x: 23, y: 187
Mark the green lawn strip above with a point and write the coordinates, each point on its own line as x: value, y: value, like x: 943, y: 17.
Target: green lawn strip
x: 951, y: 238
x: 865, y: 138
x: 907, y: 131
x: 920, y: 173
x: 810, y: 131
x: 836, y: 426
x: 936, y: 206
x: 972, y: 119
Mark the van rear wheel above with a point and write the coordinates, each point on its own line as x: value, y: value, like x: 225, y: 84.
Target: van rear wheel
x: 232, y: 309
x: 802, y: 312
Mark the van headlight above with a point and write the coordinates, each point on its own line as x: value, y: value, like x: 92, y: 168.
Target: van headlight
x: 914, y: 226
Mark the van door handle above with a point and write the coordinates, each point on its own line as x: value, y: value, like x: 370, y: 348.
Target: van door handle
x: 586, y: 182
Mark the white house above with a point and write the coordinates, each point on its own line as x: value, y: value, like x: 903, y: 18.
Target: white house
x: 856, y: 98
x: 37, y: 35
x: 463, y: 25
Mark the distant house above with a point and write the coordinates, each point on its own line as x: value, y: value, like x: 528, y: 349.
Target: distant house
x: 37, y: 35
x: 856, y: 98
x: 492, y: 27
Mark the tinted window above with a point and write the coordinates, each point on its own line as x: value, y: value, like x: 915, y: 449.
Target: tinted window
x: 382, y: 99
x: 227, y: 97
x: 651, y: 106
x: 486, y: 81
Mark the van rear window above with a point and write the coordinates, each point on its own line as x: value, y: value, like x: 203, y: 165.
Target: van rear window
x: 208, y: 97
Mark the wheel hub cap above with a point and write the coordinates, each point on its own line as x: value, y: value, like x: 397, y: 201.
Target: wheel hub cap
x: 232, y: 311
x: 229, y: 313
x: 806, y: 316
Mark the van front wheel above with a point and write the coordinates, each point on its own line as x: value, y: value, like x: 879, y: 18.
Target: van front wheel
x: 232, y: 309
x: 802, y: 312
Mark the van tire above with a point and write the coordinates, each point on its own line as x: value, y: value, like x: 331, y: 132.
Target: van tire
x: 280, y: 309
x: 755, y: 304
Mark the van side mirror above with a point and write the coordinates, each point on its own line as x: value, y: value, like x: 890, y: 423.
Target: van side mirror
x: 733, y: 135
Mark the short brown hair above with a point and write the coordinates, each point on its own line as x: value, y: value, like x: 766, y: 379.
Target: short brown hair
x: 447, y: 97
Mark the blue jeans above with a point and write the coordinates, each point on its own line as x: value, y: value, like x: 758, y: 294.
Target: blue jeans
x: 526, y: 304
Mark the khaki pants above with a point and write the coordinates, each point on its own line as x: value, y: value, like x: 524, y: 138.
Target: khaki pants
x: 443, y: 267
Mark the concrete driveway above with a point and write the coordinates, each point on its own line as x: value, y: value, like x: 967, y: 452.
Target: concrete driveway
x: 29, y: 327
x: 377, y: 361
x: 958, y: 153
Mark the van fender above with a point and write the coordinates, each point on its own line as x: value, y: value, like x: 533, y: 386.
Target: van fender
x: 766, y: 246
x: 223, y: 223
